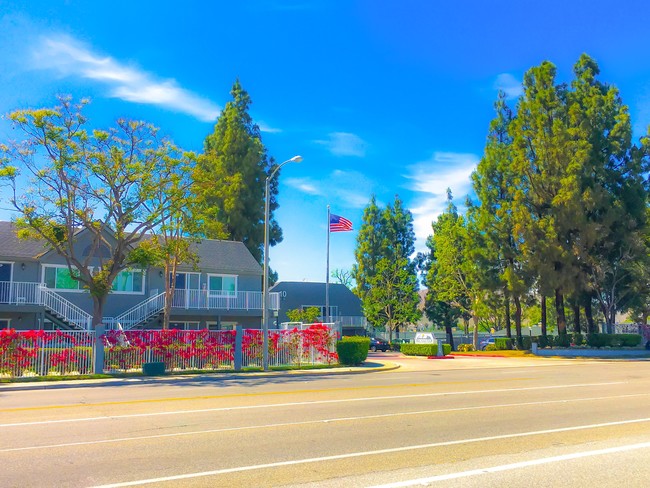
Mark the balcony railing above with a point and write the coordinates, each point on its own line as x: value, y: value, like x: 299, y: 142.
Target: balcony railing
x: 213, y: 300
x: 19, y: 293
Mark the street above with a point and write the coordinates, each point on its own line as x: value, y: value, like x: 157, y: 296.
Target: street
x: 461, y: 422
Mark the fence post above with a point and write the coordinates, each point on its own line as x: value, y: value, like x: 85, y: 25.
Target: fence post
x: 239, y: 333
x: 98, y: 350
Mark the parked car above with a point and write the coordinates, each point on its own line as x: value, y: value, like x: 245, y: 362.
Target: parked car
x: 485, y: 342
x: 379, y: 345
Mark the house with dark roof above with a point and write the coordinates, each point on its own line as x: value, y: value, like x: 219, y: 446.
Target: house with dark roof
x: 37, y: 291
x: 345, y: 306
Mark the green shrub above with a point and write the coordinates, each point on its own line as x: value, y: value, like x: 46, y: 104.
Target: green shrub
x: 353, y: 350
x: 542, y: 341
x: 526, y: 343
x: 466, y: 348
x: 578, y: 339
x: 503, y: 343
x: 630, y: 340
x: 395, y: 346
x: 563, y: 340
x: 490, y: 347
x: 597, y: 340
x: 424, y: 349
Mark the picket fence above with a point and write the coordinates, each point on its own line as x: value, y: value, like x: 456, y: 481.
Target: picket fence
x: 41, y: 353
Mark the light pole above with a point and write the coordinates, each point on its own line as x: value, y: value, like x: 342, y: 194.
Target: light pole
x: 265, y: 283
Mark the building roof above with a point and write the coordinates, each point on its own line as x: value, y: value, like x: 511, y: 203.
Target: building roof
x: 13, y: 247
x: 226, y: 256
x: 308, y: 293
x: 214, y: 255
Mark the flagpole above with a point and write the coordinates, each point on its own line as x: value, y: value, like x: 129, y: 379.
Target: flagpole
x: 327, y: 272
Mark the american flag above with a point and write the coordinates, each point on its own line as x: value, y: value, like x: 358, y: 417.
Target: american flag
x: 339, y: 224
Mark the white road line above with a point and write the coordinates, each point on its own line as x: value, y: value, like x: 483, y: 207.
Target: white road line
x: 366, y: 453
x: 307, y: 422
x: 508, y: 467
x: 295, y: 404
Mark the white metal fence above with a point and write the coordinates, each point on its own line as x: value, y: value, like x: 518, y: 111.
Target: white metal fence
x: 38, y: 352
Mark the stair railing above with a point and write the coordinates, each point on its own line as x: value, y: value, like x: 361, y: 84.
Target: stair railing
x: 141, y: 312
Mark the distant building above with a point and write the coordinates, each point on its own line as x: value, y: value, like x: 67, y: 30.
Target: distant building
x: 345, y: 306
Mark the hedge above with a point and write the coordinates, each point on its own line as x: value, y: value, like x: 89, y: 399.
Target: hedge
x: 424, y: 349
x: 353, y: 350
x: 613, y: 340
x: 503, y: 343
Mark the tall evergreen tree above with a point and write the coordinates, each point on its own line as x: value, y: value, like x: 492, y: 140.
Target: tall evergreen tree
x: 495, y: 245
x: 368, y: 249
x: 230, y: 179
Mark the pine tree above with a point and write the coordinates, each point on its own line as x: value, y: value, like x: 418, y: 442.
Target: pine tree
x: 230, y: 178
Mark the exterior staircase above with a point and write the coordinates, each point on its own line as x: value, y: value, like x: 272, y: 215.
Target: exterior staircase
x: 141, y: 313
x: 62, y: 311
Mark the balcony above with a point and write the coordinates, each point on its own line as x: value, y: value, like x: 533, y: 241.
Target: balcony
x: 19, y: 293
x: 214, y: 300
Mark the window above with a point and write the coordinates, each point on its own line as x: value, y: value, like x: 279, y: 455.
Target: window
x: 222, y: 285
x: 129, y: 281
x: 4, y: 323
x: 60, y: 278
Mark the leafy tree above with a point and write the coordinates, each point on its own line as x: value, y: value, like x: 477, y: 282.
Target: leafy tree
x: 230, y: 177
x: 100, y: 182
x: 452, y: 277
x: 308, y: 315
x: 393, y: 297
x: 171, y: 243
x: 387, y: 237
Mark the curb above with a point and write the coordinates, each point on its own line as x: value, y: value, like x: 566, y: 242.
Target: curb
x: 56, y: 385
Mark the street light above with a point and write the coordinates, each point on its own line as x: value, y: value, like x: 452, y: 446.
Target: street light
x: 265, y: 283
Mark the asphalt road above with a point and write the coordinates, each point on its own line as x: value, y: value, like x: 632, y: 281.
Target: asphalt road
x: 462, y: 422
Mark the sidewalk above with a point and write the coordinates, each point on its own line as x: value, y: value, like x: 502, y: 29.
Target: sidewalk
x: 367, y: 367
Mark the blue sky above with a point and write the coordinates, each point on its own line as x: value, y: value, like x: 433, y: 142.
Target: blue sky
x: 378, y: 96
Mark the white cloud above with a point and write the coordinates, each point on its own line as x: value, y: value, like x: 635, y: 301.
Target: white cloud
x: 305, y: 185
x: 266, y: 128
x: 345, y: 144
x: 510, y: 85
x: 350, y: 188
x: 71, y: 58
x: 432, y: 178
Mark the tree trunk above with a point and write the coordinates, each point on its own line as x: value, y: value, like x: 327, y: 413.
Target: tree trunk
x: 543, y: 306
x: 591, y: 325
x: 518, y: 321
x: 559, y: 309
x: 450, y: 336
x: 98, y: 310
x: 576, y: 317
x: 475, y: 336
x: 508, y: 325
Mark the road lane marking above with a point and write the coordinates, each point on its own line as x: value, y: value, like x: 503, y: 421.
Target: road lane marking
x: 307, y: 422
x: 519, y: 465
x: 315, y: 402
x: 366, y: 453
x: 262, y: 394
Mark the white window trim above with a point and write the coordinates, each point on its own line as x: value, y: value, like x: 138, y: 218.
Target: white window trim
x: 222, y: 293
x: 8, y: 323
x: 133, y: 270
x: 60, y: 290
